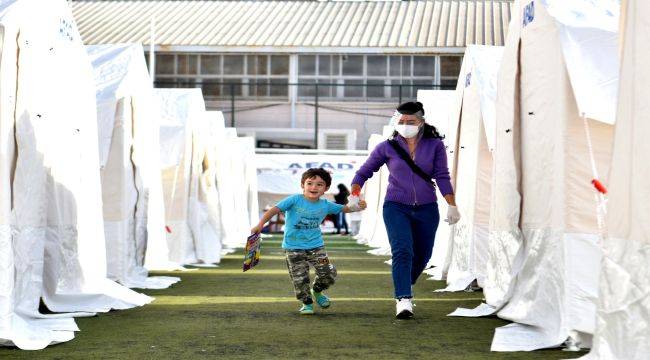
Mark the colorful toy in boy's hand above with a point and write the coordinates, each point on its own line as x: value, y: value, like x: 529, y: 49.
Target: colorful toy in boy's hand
x: 252, y: 251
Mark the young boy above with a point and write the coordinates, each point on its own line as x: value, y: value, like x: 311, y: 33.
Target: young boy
x: 303, y: 241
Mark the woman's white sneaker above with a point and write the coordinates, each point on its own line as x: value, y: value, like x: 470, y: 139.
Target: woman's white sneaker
x: 404, y: 309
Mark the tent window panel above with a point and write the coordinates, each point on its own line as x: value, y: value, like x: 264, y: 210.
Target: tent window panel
x: 353, y: 65
x: 210, y: 64
x: 165, y: 64
x: 307, y: 65
x: 424, y: 65
x: 450, y: 65
x: 233, y: 64
x: 377, y: 65
x: 279, y: 65
x: 187, y: 64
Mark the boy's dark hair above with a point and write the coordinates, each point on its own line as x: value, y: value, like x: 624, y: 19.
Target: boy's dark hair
x: 320, y: 172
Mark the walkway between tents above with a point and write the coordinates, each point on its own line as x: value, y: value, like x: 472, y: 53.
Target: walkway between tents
x: 224, y: 313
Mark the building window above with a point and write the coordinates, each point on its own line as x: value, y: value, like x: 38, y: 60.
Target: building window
x: 233, y: 64
x: 377, y: 65
x: 352, y: 65
x: 307, y: 65
x: 449, y: 70
x: 377, y: 77
x: 210, y: 64
x: 222, y: 75
x: 279, y: 65
x: 339, y: 77
x: 165, y: 64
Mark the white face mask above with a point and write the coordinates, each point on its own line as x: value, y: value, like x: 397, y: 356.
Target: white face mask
x: 407, y: 131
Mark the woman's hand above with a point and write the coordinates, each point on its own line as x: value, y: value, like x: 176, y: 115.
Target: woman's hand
x: 355, y: 190
x: 453, y: 215
x: 355, y: 204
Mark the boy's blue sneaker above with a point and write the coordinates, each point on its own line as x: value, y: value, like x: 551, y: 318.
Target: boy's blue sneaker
x: 322, y: 300
x: 307, y: 309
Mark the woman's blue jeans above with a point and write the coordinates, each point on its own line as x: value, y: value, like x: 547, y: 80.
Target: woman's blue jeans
x: 411, y: 233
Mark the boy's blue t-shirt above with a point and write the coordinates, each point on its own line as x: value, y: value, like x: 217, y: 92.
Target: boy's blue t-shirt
x: 302, y: 221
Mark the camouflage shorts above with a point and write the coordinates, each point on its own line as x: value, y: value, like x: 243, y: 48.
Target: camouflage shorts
x: 298, y: 262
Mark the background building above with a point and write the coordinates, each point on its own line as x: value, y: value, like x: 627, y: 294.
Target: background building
x: 301, y: 73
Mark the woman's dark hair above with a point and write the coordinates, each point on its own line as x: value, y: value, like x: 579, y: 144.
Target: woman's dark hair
x: 343, y: 189
x: 314, y: 172
x: 416, y: 108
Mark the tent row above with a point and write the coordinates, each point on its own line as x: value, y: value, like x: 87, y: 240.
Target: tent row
x: 103, y: 177
x: 537, y: 123
x: 529, y: 128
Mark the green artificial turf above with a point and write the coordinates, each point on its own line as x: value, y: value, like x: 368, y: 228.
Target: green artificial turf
x: 224, y: 313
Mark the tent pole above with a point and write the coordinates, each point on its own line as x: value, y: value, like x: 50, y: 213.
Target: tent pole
x: 152, y: 58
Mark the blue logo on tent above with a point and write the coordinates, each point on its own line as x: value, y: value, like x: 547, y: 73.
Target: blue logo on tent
x: 468, y: 79
x: 529, y: 13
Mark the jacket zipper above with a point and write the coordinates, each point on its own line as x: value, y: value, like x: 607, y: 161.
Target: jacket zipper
x: 415, y: 195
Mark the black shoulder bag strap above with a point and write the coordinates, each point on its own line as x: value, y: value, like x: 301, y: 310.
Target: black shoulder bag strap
x: 416, y: 169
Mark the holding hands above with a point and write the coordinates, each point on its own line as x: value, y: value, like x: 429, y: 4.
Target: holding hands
x: 355, y: 203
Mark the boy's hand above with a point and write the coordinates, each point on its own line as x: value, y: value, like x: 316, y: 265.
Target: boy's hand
x: 256, y: 229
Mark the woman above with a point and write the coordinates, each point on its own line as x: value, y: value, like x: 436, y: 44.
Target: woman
x: 410, y: 208
x: 341, y: 198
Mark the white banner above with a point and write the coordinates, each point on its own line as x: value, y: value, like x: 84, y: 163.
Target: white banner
x: 281, y: 173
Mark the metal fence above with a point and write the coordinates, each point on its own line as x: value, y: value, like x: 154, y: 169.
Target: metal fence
x: 318, y: 95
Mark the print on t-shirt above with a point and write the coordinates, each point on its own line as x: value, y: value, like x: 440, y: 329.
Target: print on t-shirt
x: 307, y: 223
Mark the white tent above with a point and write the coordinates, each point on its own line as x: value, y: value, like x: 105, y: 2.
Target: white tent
x: 553, y: 297
x: 505, y: 236
x: 193, y: 234
x: 379, y: 239
x: 133, y: 207
x: 237, y: 185
x: 623, y: 317
x: 211, y: 226
x: 439, y: 106
x: 52, y: 232
x: 472, y: 169
x: 371, y: 193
